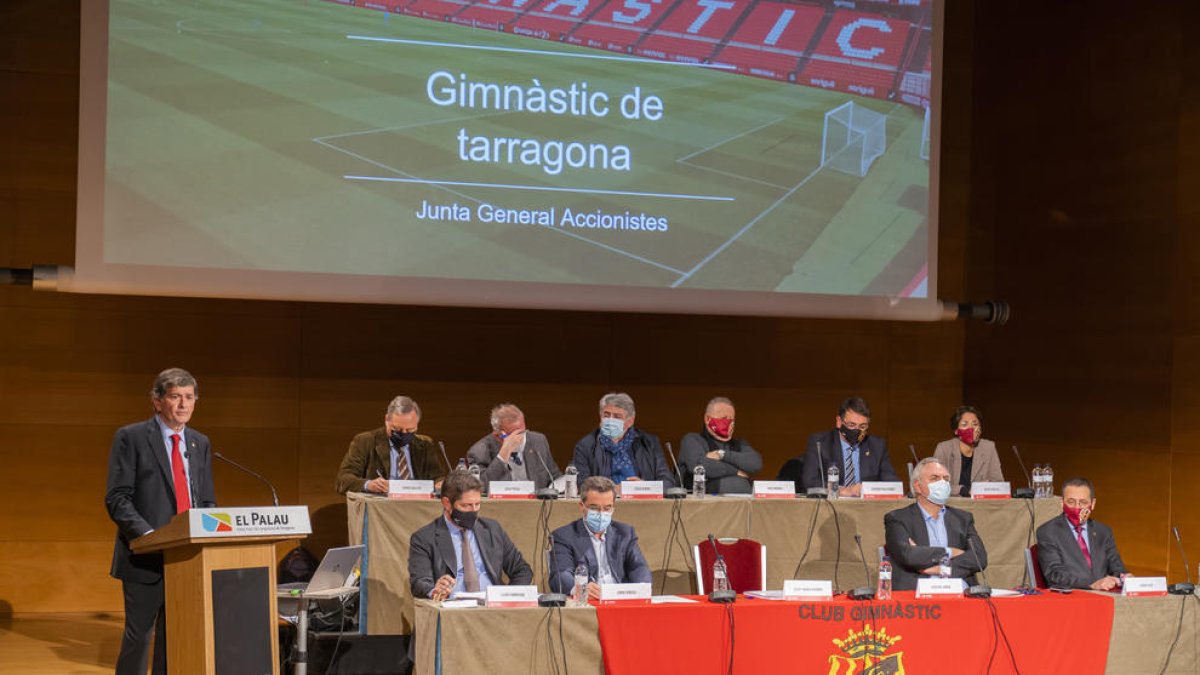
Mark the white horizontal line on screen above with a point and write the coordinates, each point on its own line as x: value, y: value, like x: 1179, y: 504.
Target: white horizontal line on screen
x: 545, y: 188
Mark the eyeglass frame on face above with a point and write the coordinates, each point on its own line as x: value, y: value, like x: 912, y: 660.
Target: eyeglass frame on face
x: 855, y: 427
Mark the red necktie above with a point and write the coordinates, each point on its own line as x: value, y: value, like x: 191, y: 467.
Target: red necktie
x: 1087, y: 555
x: 183, y: 501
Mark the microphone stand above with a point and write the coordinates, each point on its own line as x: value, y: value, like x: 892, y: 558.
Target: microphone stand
x: 862, y: 592
x: 1182, y: 588
x: 978, y: 590
x: 818, y: 492
x: 1025, y: 492
x: 223, y: 458
x: 726, y: 595
x: 674, y: 492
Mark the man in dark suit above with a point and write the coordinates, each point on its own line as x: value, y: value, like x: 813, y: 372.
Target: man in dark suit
x: 608, y: 548
x: 394, y: 451
x: 922, y: 536
x: 512, y: 452
x: 857, y: 456
x: 1075, y: 551
x: 618, y: 450
x: 459, y: 551
x: 156, y: 469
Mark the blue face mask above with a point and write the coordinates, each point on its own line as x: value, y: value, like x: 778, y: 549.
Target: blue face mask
x: 939, y: 492
x: 598, y: 521
x: 612, y: 427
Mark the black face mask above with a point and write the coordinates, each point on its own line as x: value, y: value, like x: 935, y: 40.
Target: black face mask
x: 853, y: 436
x: 464, y: 519
x: 401, y: 438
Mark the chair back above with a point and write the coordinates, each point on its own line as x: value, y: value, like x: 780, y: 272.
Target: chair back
x: 1033, y: 569
x: 745, y: 564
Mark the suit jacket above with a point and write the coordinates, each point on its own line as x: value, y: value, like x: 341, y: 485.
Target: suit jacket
x: 431, y: 556
x: 984, y: 467
x: 873, y: 461
x: 485, y: 450
x: 721, y: 475
x: 573, y: 545
x: 141, y: 492
x: 908, y: 560
x: 592, y: 460
x: 369, y: 456
x: 1062, y: 561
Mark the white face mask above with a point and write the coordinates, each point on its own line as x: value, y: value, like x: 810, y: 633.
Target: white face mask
x: 939, y: 492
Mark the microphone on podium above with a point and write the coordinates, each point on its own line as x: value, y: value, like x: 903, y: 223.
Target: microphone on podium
x: 223, y: 458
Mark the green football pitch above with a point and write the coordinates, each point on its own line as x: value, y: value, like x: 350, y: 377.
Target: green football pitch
x: 266, y: 133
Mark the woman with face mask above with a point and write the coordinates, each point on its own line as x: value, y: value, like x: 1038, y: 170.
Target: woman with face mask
x: 968, y: 456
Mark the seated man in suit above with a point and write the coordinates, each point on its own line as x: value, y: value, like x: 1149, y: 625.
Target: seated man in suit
x: 393, y: 451
x: 857, y: 456
x: 610, y: 549
x: 512, y: 452
x: 729, y: 462
x: 459, y: 551
x: 922, y: 535
x: 619, y: 450
x: 1075, y: 551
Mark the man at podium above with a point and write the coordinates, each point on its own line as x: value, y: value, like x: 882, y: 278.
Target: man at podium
x: 156, y: 469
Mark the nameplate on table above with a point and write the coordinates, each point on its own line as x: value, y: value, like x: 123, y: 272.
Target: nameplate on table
x: 1135, y: 587
x: 410, y: 489
x: 624, y: 593
x: 807, y: 589
x: 775, y: 489
x: 245, y: 521
x: 511, y: 596
x: 991, y: 490
x: 891, y: 489
x: 933, y: 587
x: 641, y: 489
x: 510, y: 489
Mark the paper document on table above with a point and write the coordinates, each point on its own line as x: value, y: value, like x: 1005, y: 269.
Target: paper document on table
x: 765, y: 595
x: 457, y: 604
x: 1006, y: 593
x: 669, y: 599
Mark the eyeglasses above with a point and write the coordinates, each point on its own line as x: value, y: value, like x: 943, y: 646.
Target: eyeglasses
x: 855, y: 427
x: 1077, y: 503
x: 601, y: 509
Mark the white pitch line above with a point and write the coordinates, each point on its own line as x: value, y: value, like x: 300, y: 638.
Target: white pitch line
x: 745, y: 228
x: 544, y: 188
x: 732, y: 175
x: 731, y: 138
x: 543, y: 52
x: 469, y: 198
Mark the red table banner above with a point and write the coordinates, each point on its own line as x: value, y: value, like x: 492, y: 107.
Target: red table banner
x: 1048, y: 634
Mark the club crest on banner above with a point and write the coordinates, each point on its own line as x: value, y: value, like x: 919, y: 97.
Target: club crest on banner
x: 865, y: 652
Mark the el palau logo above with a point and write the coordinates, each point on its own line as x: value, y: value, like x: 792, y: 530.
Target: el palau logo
x: 217, y: 522
x: 865, y: 652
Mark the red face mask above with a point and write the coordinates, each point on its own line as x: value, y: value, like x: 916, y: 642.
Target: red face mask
x: 1075, y: 515
x: 720, y: 427
x: 966, y: 435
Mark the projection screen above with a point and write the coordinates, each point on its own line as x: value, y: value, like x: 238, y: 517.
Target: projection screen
x: 763, y: 157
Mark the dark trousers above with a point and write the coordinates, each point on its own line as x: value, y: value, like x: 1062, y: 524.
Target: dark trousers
x: 145, y: 615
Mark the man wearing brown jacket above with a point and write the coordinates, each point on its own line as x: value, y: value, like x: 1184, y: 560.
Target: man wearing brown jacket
x: 392, y: 452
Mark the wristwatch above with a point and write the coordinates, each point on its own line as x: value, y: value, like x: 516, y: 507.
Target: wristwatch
x: 721, y: 452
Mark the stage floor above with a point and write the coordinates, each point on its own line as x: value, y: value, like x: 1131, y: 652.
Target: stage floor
x: 59, y: 644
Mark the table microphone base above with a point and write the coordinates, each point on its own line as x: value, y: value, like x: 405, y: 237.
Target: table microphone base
x: 861, y: 593
x: 674, y: 493
x: 722, y: 596
x: 1182, y: 588
x: 979, y: 591
x: 1023, y: 493
x: 552, y: 600
x: 817, y: 493
x: 546, y: 493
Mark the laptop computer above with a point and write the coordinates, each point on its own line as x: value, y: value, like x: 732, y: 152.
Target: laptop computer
x: 336, y: 575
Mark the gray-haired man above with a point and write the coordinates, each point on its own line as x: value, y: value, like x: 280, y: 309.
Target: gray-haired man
x: 619, y: 450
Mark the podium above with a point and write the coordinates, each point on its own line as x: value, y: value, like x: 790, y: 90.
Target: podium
x: 219, y: 579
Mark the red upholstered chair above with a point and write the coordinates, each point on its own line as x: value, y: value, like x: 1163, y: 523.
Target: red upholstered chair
x: 745, y: 564
x: 1033, y: 568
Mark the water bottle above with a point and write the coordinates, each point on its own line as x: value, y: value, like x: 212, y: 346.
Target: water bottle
x: 462, y: 464
x: 571, y: 482
x: 699, y: 481
x: 944, y: 566
x: 720, y: 579
x: 832, y: 481
x: 581, y: 582
x: 1037, y: 481
x: 883, y: 591
x: 1048, y: 478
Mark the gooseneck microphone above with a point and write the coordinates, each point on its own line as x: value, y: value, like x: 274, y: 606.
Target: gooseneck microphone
x: 862, y: 592
x: 1025, y: 492
x: 911, y: 468
x: 978, y: 590
x: 223, y: 458
x: 445, y: 457
x: 547, y: 492
x: 726, y: 595
x: 818, y: 492
x: 1182, y: 588
x: 677, y: 492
